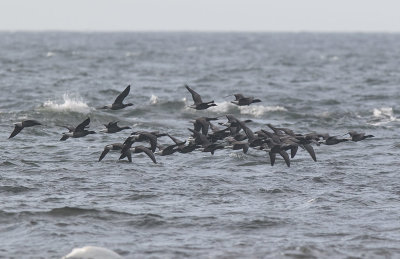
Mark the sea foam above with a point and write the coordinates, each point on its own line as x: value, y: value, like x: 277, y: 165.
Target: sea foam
x: 74, y: 104
x: 259, y: 110
x: 87, y: 252
x: 383, y: 115
x: 254, y: 110
x: 154, y: 99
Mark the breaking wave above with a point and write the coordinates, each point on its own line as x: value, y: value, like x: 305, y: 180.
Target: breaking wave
x: 154, y: 99
x: 382, y: 116
x: 75, y: 104
x: 259, y: 110
x: 254, y: 110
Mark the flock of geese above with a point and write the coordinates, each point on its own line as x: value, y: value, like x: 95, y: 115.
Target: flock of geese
x: 206, y: 136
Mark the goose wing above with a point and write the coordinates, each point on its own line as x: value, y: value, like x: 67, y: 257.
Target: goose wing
x: 30, y: 123
x: 311, y: 151
x: 285, y: 156
x: 140, y: 149
x: 272, y: 157
x: 126, y: 153
x: 293, y: 150
x: 200, y: 138
x: 176, y: 141
x: 250, y: 135
x: 17, y: 129
x: 196, y: 97
x: 120, y: 98
x: 83, y: 125
x: 104, y: 153
x: 238, y: 96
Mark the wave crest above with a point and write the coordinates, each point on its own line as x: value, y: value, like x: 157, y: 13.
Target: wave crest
x: 74, y: 104
x: 383, y: 115
x: 154, y: 99
x: 254, y: 110
x: 258, y: 110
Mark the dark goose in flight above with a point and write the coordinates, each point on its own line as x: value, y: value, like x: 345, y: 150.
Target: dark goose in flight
x: 203, y: 124
x: 23, y: 124
x: 198, y: 103
x: 275, y: 148
x: 202, y: 140
x: 242, y: 101
x: 112, y: 127
x: 115, y: 146
x: 117, y: 105
x: 79, y: 131
x: 138, y: 149
x: 333, y: 140
x: 355, y: 136
x: 181, y: 145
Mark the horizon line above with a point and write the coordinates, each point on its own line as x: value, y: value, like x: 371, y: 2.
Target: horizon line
x: 198, y: 31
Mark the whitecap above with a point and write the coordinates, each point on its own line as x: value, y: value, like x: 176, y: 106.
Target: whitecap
x: 131, y: 54
x: 224, y: 107
x: 154, y: 99
x: 383, y: 115
x: 254, y: 110
x: 50, y: 54
x: 75, y: 104
x: 259, y: 110
x: 92, y: 252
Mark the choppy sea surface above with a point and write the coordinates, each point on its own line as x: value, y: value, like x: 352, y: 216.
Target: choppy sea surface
x: 55, y: 196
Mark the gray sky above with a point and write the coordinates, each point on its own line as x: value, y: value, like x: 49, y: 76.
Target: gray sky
x: 201, y: 15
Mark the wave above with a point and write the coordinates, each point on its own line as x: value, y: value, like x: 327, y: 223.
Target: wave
x: 14, y: 189
x: 154, y: 99
x: 146, y: 220
x: 74, y: 104
x: 50, y: 54
x: 382, y: 116
x: 92, y: 252
x: 254, y: 110
x: 259, y: 110
x: 70, y: 212
x: 258, y: 223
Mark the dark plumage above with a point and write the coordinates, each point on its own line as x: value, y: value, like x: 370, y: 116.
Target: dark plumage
x: 138, y: 149
x: 241, y: 100
x: 112, y: 127
x: 254, y: 140
x: 311, y: 151
x: 181, y: 145
x: 176, y: 141
x: 23, y: 124
x: 273, y: 148
x: 198, y: 103
x: 291, y: 140
x: 203, y: 124
x: 202, y: 140
x: 355, y: 136
x: 333, y: 140
x: 217, y: 133
x: 118, y: 103
x: 79, y: 131
x: 68, y: 127
x: 168, y: 150
x: 188, y: 148
x: 151, y: 137
x: 237, y: 145
x: 115, y: 146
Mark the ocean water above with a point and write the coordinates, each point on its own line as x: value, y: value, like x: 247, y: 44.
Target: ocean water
x: 55, y: 196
